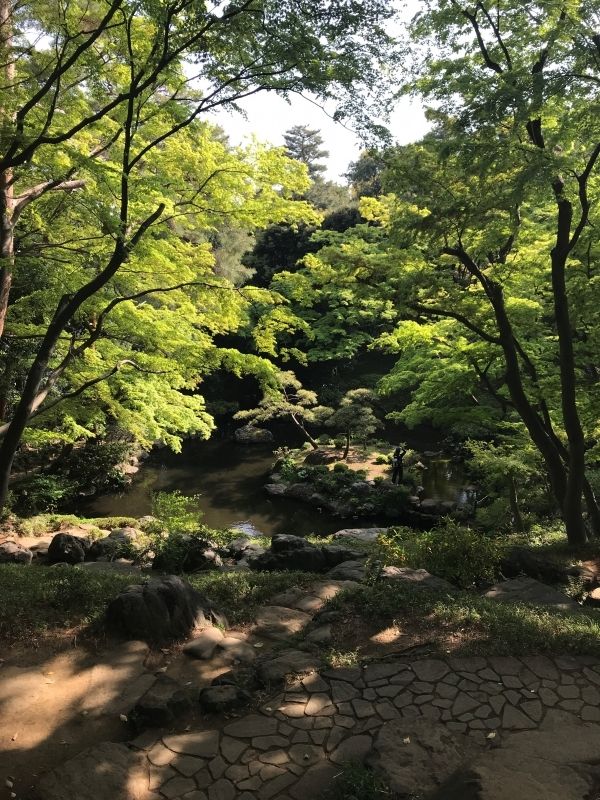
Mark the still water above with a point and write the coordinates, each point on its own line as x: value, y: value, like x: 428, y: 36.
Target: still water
x: 230, y: 480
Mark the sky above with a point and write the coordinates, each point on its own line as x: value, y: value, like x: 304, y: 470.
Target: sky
x: 268, y: 116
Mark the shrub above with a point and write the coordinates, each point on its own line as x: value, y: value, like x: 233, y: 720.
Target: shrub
x: 43, y: 493
x: 175, y: 512
x: 287, y: 468
x: 339, y: 442
x: 382, y: 459
x: 95, y: 467
x: 461, y: 555
x: 339, y: 466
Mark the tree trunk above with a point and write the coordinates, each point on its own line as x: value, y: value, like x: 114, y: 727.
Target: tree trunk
x: 347, y: 448
x: 572, y: 506
x: 314, y: 444
x: 7, y: 240
x: 514, y: 504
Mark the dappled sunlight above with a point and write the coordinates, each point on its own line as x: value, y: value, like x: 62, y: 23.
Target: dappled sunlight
x: 54, y: 708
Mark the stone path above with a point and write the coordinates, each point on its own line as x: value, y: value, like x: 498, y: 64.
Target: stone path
x: 294, y: 744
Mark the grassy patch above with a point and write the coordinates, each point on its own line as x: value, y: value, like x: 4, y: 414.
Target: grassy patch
x: 41, y: 524
x: 356, y: 782
x: 38, y: 600
x: 41, y: 600
x: 473, y: 624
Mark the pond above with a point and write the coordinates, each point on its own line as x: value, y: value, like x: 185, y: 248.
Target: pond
x: 230, y: 480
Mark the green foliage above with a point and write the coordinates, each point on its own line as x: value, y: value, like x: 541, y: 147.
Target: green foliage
x: 43, y: 493
x: 176, y: 513
x: 461, y: 555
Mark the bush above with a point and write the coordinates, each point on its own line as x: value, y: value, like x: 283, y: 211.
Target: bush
x: 339, y: 443
x: 460, y: 555
x: 339, y: 466
x: 286, y: 466
x: 381, y: 459
x: 43, y: 493
x: 176, y: 513
x: 95, y: 467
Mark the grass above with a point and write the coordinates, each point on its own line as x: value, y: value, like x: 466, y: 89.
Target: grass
x: 41, y: 524
x: 357, y: 782
x: 483, y: 627
x: 38, y: 601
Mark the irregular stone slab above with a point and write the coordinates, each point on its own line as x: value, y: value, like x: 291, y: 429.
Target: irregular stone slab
x: 515, y: 720
x: 203, y: 744
x: 222, y: 698
x: 528, y: 590
x: 418, y: 579
x: 557, y: 764
x: 314, y: 781
x: 359, y: 534
x: 286, y: 663
x: 278, y: 622
x: 99, y: 773
x: 205, y: 644
x: 355, y: 749
x: 430, y: 669
x: 415, y: 756
x: 232, y: 749
x: 250, y: 726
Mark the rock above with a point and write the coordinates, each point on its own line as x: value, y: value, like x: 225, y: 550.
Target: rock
x: 233, y: 649
x: 204, y: 645
x: 348, y: 571
x: 120, y: 541
x: 295, y: 553
x: 317, y: 457
x: 276, y: 489
x: 418, y: 579
x: 415, y: 756
x: 288, y: 662
x: 160, y: 610
x: 221, y: 698
x: 521, y: 560
x: 250, y: 434
x: 528, y: 590
x: 14, y: 553
x: 201, y: 559
x: 67, y: 549
x: 320, y: 635
x: 278, y: 622
x: 593, y: 598
x: 559, y: 764
x: 160, y: 706
x: 360, y: 534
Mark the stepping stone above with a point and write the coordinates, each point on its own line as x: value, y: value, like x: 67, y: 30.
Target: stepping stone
x: 320, y: 635
x: 355, y: 748
x: 430, y: 669
x: 279, y: 623
x: 515, y: 720
x: 251, y: 726
x: 204, y: 645
x: 314, y: 781
x: 286, y: 663
x: 204, y: 744
x: 237, y: 650
x: 528, y: 590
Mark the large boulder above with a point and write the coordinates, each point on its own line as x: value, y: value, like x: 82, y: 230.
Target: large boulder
x: 119, y: 542
x: 319, y: 457
x: 250, y: 434
x: 523, y: 561
x: 14, y: 553
x: 67, y: 549
x: 160, y: 610
x: 295, y: 553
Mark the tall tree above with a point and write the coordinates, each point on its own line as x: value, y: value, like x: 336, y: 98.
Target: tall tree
x: 306, y: 145
x: 102, y: 88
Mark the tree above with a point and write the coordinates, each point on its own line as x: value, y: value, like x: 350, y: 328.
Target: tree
x: 354, y: 417
x: 305, y: 144
x: 286, y: 399
x: 102, y: 91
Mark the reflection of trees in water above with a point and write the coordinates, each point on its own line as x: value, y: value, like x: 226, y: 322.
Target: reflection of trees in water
x: 443, y: 480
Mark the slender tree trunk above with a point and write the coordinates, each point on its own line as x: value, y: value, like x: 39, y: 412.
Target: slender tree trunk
x: 314, y: 444
x: 347, y: 448
x: 7, y: 239
x: 514, y: 504
x: 572, y: 506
